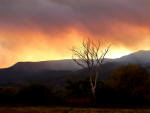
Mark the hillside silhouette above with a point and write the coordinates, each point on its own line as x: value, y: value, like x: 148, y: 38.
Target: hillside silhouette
x: 54, y: 72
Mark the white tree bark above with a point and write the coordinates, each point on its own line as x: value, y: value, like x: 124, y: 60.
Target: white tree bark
x: 91, y: 57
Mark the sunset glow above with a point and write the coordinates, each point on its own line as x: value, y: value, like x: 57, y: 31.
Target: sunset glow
x: 52, y: 27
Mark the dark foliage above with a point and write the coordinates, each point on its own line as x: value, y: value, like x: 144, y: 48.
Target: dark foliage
x: 77, y: 88
x: 131, y: 84
x: 33, y: 94
x: 127, y: 86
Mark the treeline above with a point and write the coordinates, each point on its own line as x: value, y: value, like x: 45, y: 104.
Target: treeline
x: 33, y: 94
x: 127, y: 86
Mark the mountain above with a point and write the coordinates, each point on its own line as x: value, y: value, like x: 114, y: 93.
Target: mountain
x: 55, y: 72
x: 46, y: 65
x: 139, y: 57
x: 55, y: 65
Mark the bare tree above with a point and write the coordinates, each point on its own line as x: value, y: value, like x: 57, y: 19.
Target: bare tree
x: 90, y: 56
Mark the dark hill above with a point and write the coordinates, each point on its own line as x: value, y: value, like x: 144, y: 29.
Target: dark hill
x: 55, y: 72
x: 56, y: 65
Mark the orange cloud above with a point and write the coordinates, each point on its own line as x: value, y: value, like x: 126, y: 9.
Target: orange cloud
x: 38, y: 30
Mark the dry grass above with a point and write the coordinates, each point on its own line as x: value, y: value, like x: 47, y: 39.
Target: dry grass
x: 68, y: 110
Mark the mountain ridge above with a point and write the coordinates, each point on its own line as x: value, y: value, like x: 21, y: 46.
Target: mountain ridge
x: 139, y: 57
x: 55, y: 72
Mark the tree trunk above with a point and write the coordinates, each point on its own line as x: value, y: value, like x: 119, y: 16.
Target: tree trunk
x: 94, y: 85
x: 93, y: 96
x: 93, y: 82
x: 93, y: 92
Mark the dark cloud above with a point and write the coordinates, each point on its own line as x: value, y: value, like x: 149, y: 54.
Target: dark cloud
x: 119, y: 21
x: 50, y: 14
x: 38, y: 13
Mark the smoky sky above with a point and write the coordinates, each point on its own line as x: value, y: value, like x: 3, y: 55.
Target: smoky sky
x: 124, y: 22
x: 95, y: 16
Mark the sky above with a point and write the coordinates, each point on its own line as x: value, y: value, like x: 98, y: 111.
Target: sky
x: 38, y: 30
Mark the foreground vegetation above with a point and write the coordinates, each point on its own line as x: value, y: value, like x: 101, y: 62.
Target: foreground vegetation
x: 68, y: 110
x: 128, y: 86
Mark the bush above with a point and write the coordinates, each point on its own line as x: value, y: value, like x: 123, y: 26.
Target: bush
x: 129, y: 83
x: 8, y: 95
x: 37, y: 94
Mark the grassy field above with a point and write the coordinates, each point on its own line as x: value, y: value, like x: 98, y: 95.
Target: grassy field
x: 68, y: 110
